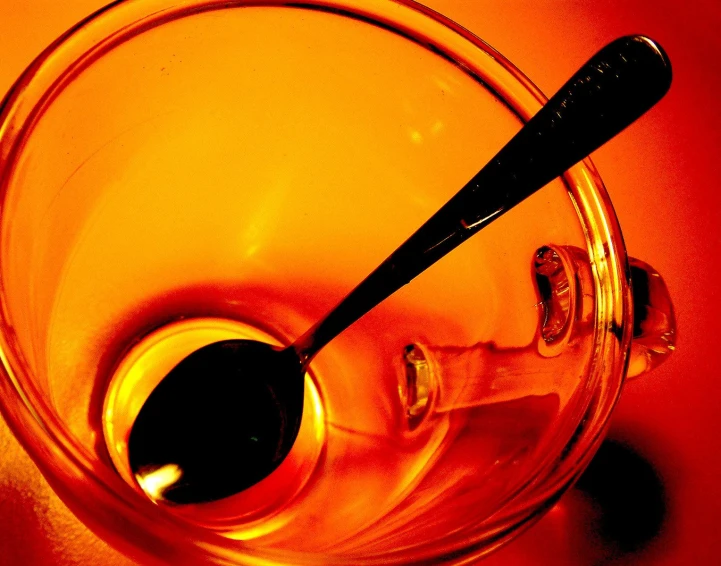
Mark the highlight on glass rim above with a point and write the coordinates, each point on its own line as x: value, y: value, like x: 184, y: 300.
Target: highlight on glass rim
x: 328, y: 282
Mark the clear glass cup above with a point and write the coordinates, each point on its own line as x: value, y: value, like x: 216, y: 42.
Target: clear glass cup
x: 178, y: 173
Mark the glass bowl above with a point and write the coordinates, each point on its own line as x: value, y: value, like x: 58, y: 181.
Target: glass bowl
x: 173, y: 174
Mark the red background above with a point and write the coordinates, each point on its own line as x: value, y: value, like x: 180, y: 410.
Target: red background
x: 662, y: 176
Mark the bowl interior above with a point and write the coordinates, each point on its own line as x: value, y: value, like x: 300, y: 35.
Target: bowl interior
x: 250, y: 165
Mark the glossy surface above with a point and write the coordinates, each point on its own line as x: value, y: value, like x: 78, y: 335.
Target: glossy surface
x: 221, y: 421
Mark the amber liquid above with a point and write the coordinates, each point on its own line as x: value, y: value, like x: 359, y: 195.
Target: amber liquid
x: 251, y: 186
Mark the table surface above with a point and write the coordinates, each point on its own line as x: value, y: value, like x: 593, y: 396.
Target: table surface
x: 662, y: 454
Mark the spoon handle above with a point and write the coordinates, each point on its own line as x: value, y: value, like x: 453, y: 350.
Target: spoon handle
x: 614, y: 88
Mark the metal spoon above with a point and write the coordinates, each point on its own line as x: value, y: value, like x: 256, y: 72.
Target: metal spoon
x: 227, y: 415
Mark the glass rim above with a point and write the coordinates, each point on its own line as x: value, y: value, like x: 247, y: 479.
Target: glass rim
x: 89, y: 489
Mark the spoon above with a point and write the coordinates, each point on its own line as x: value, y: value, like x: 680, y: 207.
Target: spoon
x: 228, y: 414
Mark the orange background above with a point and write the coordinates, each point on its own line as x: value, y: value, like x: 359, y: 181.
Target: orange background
x: 662, y: 177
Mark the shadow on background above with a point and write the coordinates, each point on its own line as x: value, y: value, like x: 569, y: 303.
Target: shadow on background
x: 628, y: 498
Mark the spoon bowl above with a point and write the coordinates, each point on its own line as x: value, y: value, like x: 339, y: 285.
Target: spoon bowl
x: 225, y: 418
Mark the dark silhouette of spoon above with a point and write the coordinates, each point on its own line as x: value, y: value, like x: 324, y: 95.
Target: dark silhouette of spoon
x: 227, y: 415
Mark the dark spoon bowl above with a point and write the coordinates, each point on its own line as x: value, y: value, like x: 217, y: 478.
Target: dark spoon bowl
x: 242, y: 435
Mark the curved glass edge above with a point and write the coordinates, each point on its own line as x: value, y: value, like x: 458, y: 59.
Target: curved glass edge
x: 89, y: 491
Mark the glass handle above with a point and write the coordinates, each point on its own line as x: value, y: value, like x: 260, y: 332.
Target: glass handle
x: 654, y: 320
